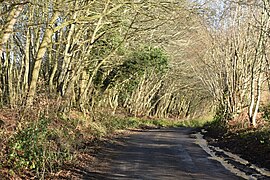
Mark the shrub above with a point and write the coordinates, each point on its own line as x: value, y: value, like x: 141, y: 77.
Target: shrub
x: 36, y: 148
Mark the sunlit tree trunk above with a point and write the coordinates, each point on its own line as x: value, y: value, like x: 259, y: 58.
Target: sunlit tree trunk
x: 8, y: 28
x: 258, y: 67
x: 40, y: 54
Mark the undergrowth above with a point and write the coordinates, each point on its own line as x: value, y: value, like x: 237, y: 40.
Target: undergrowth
x: 36, y: 149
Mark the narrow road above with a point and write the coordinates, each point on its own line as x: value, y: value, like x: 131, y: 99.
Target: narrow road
x: 162, y: 154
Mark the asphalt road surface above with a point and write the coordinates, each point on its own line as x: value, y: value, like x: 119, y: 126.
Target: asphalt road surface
x: 162, y: 154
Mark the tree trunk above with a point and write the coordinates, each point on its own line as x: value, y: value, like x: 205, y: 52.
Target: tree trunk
x: 8, y: 29
x: 40, y: 54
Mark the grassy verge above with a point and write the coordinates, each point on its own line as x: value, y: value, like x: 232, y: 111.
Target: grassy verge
x: 253, y: 144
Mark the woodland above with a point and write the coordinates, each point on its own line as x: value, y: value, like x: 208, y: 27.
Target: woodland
x: 83, y: 68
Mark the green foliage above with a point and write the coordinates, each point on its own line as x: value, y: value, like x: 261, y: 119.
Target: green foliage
x: 101, y: 49
x: 147, y: 59
x: 35, y: 148
x: 144, y: 60
x: 106, y: 43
